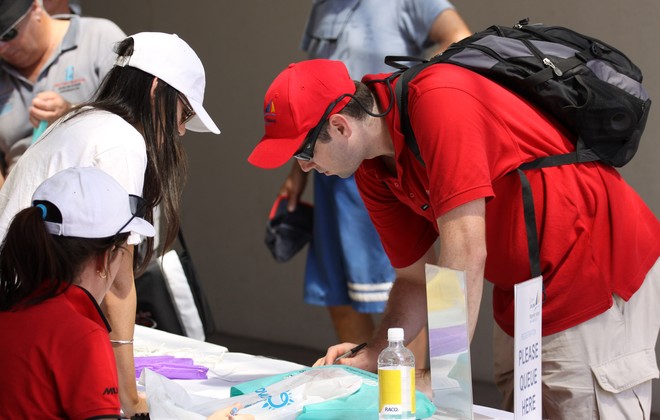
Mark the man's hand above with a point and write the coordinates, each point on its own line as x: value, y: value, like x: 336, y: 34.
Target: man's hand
x: 365, y: 359
x: 48, y: 106
x: 423, y: 382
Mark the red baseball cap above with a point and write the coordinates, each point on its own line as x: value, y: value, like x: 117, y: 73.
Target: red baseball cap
x: 294, y: 104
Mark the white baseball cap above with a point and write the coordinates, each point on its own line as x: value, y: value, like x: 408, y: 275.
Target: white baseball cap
x: 171, y: 59
x: 88, y: 203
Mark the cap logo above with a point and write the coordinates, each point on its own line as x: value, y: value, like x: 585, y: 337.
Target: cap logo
x: 269, y: 113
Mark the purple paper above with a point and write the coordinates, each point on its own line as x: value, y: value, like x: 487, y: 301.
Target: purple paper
x: 170, y: 367
x: 448, y: 340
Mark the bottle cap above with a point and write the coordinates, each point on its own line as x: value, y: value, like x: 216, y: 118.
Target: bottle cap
x: 395, y: 334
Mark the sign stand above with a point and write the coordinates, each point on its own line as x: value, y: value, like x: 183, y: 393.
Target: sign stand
x: 449, y: 344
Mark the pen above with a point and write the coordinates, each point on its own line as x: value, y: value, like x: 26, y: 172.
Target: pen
x: 352, y: 351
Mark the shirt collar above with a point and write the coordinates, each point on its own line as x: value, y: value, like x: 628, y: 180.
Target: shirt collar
x: 382, y: 93
x: 85, y: 304
x: 72, y: 36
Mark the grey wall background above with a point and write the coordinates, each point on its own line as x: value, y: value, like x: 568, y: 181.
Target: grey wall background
x: 244, y: 45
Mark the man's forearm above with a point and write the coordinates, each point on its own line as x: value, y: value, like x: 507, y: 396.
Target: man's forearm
x: 463, y: 247
x: 406, y: 308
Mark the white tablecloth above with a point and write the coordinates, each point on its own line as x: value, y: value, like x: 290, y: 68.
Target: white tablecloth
x: 227, y: 368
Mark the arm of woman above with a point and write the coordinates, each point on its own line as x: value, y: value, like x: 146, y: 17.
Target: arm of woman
x: 119, y: 307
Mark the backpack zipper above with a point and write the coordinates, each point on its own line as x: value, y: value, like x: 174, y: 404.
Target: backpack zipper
x: 554, y: 68
x: 492, y: 53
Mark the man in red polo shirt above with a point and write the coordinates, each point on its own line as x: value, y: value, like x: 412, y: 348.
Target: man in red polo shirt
x: 598, y: 240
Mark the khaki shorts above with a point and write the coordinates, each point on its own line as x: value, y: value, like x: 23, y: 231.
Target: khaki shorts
x: 600, y: 369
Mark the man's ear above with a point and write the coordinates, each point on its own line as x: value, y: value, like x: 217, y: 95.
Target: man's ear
x: 341, y: 124
x: 38, y: 9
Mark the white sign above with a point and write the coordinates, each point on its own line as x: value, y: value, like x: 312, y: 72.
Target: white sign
x: 527, y: 339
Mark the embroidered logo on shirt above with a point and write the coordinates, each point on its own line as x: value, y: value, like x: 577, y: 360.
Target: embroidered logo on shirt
x: 69, y: 74
x: 70, y: 85
x: 111, y: 391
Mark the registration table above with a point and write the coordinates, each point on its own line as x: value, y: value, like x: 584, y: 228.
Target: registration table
x: 227, y: 369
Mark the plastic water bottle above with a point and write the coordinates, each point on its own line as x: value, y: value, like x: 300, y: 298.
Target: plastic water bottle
x: 396, y: 379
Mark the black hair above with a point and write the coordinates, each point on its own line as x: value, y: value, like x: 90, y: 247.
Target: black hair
x: 126, y: 92
x: 35, y: 265
x: 355, y: 108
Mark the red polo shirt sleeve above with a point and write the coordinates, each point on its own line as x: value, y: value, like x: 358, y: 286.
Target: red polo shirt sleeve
x: 87, y: 389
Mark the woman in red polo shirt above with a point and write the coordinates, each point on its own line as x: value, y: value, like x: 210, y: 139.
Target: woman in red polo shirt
x: 59, y: 259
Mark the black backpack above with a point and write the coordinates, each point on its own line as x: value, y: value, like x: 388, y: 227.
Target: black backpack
x: 588, y: 86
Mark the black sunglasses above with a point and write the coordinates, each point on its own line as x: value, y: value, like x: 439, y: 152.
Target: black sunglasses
x: 138, y: 209
x: 13, y: 32
x: 9, y: 35
x: 188, y: 111
x: 306, y: 152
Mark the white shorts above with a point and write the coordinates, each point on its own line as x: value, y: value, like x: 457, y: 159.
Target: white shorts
x: 600, y: 369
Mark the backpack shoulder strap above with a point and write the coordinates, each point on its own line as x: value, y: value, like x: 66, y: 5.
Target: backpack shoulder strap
x: 405, y: 75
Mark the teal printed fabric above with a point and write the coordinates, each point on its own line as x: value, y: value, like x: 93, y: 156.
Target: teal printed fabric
x: 362, y: 404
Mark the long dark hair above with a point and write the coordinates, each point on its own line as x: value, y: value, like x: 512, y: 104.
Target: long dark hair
x: 126, y: 92
x: 38, y: 265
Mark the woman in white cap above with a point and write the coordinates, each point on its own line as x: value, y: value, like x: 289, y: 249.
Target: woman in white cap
x: 131, y: 130
x: 58, y: 260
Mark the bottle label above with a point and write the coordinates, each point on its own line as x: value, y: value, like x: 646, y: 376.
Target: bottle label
x: 396, y: 390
